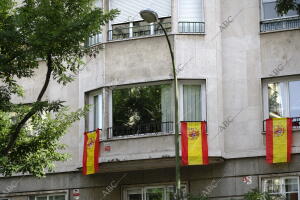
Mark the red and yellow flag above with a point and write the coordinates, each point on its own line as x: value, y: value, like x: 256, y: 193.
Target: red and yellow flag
x: 278, y: 140
x: 91, y: 152
x: 194, y: 146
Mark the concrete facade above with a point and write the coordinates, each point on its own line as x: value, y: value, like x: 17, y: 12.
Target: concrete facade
x: 234, y: 62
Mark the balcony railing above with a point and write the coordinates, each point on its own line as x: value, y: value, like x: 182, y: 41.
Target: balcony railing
x: 141, y: 129
x: 280, y: 24
x: 191, y: 27
x: 295, y: 123
x: 94, y: 40
x: 137, y: 31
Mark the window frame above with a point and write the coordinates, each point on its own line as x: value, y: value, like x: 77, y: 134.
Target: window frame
x: 276, y: 18
x: 144, y: 187
x: 203, y: 105
x: 282, y: 184
x: 110, y: 116
x: 284, y: 80
x: 91, y: 115
x: 47, y: 194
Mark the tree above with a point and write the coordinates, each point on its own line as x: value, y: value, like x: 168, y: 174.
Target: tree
x: 50, y: 31
x: 283, y: 6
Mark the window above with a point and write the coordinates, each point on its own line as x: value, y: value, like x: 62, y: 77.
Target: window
x: 49, y: 197
x: 269, y: 10
x: 158, y: 192
x: 193, y: 101
x: 282, y: 186
x: 141, y: 109
x: 129, y: 24
x: 95, y: 114
x: 191, y: 16
x: 283, y: 99
x: 272, y: 21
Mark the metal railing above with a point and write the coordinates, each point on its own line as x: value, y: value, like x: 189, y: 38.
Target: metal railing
x: 280, y: 24
x: 137, y: 31
x: 141, y: 129
x: 94, y: 40
x: 295, y: 123
x: 191, y: 27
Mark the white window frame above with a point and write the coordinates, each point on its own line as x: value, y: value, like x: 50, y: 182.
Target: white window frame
x: 50, y: 194
x: 276, y: 18
x: 203, y: 96
x: 144, y: 187
x: 284, y: 80
x: 282, y: 184
x: 91, y: 115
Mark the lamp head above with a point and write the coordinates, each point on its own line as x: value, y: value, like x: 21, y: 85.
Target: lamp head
x: 149, y: 15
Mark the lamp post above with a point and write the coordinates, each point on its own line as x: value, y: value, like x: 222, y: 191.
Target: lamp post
x: 151, y: 16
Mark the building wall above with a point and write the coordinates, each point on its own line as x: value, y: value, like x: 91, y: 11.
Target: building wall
x: 234, y: 60
x: 221, y: 180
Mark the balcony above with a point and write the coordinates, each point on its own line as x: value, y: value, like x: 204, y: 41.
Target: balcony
x: 141, y: 129
x: 137, y: 31
x: 296, y: 124
x: 191, y: 27
x: 280, y: 24
x: 94, y: 40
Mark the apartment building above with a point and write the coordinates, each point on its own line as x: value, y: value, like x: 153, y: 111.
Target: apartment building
x: 237, y: 64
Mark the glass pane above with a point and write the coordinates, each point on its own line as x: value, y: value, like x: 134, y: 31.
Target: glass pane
x: 96, y: 112
x: 59, y: 197
x: 134, y: 194
x: 271, y: 186
x: 41, y: 198
x: 291, y: 185
x: 155, y: 194
x: 138, y: 110
x: 270, y: 10
x: 277, y: 100
x: 120, y: 31
x: 294, y: 90
x: 140, y: 28
x: 192, y: 103
x: 292, y: 196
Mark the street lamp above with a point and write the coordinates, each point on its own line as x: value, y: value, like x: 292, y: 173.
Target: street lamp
x: 151, y: 16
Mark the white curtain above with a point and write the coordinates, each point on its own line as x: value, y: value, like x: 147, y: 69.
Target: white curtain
x: 192, y: 103
x: 166, y: 108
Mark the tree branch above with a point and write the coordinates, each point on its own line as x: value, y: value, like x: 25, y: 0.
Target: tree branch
x: 15, y: 133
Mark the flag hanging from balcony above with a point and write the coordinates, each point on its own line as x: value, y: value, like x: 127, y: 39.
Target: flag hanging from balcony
x: 278, y: 140
x: 91, y: 152
x: 194, y: 146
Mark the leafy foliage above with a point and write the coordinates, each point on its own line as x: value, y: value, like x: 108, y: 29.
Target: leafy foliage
x: 283, y: 6
x: 32, y: 32
x: 36, y: 150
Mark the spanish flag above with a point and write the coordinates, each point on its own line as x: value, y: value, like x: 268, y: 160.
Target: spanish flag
x: 91, y: 152
x: 278, y: 140
x: 194, y: 146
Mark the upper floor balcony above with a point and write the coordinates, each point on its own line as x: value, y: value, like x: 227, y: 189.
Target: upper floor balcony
x: 272, y: 21
x: 138, y: 29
